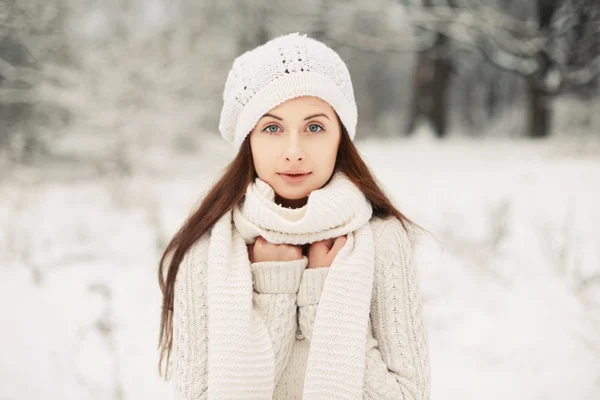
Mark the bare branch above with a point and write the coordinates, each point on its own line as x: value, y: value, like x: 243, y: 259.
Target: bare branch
x: 584, y: 75
x: 16, y: 96
x: 463, y: 24
x: 389, y: 44
x: 9, y: 72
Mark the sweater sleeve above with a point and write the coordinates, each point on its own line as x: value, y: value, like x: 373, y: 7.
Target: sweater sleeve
x: 190, y: 330
x: 397, y: 358
x: 275, y: 300
x: 275, y: 292
x: 309, y: 293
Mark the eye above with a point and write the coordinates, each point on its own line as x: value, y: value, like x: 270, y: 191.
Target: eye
x: 270, y: 130
x: 313, y: 125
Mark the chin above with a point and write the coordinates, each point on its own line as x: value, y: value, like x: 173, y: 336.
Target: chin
x: 297, y: 193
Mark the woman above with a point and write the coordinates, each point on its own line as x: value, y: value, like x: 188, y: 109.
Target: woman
x: 294, y: 278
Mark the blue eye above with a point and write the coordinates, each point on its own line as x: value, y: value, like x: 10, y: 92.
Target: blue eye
x: 317, y: 125
x: 269, y: 130
x: 272, y: 131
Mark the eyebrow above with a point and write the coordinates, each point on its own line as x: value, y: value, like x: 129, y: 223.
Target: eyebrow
x: 309, y: 117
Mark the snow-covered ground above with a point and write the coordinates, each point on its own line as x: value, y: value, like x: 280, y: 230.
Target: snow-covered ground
x: 510, y: 277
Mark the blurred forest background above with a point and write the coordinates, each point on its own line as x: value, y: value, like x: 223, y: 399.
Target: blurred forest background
x: 480, y: 117
x: 156, y: 68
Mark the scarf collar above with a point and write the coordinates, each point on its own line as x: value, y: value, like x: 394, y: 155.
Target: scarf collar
x: 333, y: 210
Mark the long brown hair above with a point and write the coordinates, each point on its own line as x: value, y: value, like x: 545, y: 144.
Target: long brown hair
x: 227, y: 192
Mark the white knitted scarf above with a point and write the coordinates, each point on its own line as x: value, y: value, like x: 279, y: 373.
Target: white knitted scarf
x: 240, y: 354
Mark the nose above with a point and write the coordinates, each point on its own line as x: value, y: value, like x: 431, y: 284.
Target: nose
x: 293, y: 150
x: 294, y: 157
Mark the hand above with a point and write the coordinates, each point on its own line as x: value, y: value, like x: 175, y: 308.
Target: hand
x: 322, y: 253
x: 261, y: 250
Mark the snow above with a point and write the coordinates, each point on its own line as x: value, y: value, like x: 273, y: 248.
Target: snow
x: 507, y: 277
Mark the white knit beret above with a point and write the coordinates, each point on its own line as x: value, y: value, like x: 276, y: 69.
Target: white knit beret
x: 283, y: 68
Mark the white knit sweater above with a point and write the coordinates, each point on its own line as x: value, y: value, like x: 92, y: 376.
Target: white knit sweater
x: 287, y: 295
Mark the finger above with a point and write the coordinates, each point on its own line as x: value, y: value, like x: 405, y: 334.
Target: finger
x: 339, y: 243
x: 260, y: 242
x: 328, y: 243
x: 320, y: 246
x: 288, y: 248
x: 317, y: 248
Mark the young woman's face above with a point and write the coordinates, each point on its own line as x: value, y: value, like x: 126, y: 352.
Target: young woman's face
x: 300, y: 135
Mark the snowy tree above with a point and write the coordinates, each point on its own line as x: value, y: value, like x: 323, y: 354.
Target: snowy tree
x: 32, y: 32
x: 554, y: 45
x: 431, y: 82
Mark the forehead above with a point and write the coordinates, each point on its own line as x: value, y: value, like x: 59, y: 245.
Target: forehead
x: 303, y: 102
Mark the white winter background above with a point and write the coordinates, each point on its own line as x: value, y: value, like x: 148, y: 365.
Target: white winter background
x: 510, y: 276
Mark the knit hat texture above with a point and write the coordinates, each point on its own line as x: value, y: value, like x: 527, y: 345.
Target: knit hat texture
x: 283, y: 68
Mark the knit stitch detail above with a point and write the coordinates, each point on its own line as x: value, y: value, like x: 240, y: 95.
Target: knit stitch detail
x: 311, y: 285
x: 283, y: 68
x: 190, y: 325
x: 278, y: 276
x: 399, y: 336
x: 397, y: 358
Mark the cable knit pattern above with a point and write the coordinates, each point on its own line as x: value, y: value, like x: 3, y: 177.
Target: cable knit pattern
x: 275, y: 301
x: 276, y: 287
x: 395, y: 350
x: 309, y: 294
x: 190, y: 324
x: 339, y: 332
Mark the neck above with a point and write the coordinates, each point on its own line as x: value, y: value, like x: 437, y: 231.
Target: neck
x: 296, y: 203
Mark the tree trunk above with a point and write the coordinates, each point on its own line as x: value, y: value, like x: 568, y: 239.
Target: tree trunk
x: 431, y: 81
x: 539, y: 113
x: 538, y: 106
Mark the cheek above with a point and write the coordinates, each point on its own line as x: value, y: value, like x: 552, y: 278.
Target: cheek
x: 328, y: 151
x: 262, y: 155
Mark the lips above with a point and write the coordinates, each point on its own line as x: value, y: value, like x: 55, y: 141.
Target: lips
x: 294, y: 177
x: 293, y: 174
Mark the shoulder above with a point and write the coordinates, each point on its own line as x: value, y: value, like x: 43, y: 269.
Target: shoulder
x: 389, y: 235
